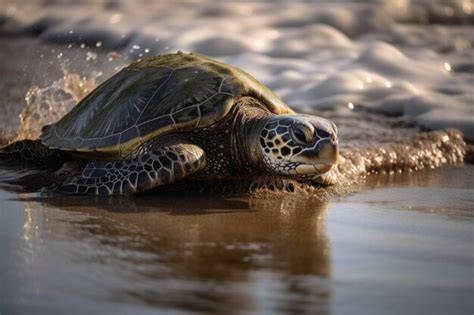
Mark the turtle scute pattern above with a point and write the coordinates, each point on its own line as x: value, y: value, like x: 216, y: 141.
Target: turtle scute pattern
x: 156, y: 168
x: 156, y: 95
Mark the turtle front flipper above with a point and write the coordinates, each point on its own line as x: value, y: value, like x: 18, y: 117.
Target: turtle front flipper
x: 33, y: 151
x: 156, y: 168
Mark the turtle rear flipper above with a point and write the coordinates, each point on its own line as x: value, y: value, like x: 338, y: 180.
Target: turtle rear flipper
x: 33, y: 151
x: 158, y: 167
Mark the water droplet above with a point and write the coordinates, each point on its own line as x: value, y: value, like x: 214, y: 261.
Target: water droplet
x: 98, y: 44
x: 44, y: 105
x: 447, y: 66
x: 350, y: 105
x: 59, y: 96
x: 91, y: 56
x: 83, y: 45
x: 59, y: 56
x: 113, y: 55
x: 136, y: 46
x: 388, y: 84
x: 147, y: 50
x: 71, y: 31
x: 115, y: 18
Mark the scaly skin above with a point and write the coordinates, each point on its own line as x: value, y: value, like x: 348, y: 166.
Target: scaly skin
x: 34, y: 152
x: 156, y: 168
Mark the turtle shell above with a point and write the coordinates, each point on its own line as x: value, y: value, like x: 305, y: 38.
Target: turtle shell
x: 157, y: 95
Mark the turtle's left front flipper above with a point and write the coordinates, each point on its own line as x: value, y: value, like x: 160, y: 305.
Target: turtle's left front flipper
x: 159, y: 167
x: 33, y: 151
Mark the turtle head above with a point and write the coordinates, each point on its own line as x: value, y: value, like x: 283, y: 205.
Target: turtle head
x: 299, y: 146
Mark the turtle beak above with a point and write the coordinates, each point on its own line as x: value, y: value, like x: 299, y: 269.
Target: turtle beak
x: 328, y: 155
x: 321, y: 157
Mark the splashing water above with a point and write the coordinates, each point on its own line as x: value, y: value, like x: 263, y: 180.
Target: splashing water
x: 47, y: 105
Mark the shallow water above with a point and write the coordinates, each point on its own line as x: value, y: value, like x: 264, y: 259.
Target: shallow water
x: 402, y: 245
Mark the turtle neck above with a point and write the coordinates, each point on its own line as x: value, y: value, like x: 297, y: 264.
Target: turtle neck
x: 249, y: 120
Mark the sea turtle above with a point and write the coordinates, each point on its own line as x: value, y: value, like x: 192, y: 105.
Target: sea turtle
x: 180, y: 115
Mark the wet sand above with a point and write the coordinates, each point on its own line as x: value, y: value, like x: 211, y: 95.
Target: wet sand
x: 401, y: 245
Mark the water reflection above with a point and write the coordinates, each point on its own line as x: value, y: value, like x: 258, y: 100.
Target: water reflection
x: 210, y: 255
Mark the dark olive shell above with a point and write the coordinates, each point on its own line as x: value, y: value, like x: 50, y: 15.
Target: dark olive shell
x: 157, y: 95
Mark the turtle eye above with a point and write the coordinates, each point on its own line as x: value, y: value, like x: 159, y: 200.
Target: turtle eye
x: 323, y: 133
x: 302, y: 134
